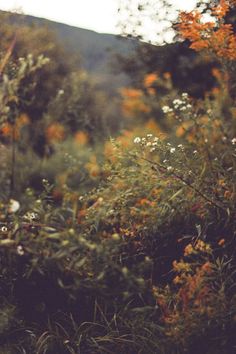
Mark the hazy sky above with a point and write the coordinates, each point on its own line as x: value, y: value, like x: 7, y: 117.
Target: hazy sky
x: 97, y: 15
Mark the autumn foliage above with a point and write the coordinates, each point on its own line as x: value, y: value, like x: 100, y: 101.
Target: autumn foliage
x: 123, y: 244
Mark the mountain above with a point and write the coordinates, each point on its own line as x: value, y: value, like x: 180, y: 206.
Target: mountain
x: 97, y: 51
x: 101, y: 54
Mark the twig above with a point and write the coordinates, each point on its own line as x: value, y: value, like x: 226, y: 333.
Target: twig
x: 8, y: 54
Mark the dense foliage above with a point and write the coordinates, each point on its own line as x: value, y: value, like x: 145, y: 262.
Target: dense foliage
x: 124, y: 245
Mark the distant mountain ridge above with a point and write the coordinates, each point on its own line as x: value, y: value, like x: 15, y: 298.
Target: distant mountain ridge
x: 96, y: 50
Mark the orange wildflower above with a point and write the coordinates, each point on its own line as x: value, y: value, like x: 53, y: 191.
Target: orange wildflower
x: 55, y: 132
x: 81, y: 138
x: 149, y: 80
x: 221, y: 242
x: 217, y: 37
x: 221, y: 9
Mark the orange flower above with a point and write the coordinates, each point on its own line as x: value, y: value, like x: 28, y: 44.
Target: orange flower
x: 131, y: 93
x: 221, y: 10
x: 55, y: 132
x: 10, y: 131
x: 206, y: 267
x: 81, y: 138
x: 149, y: 80
x: 217, y: 37
x: 221, y: 242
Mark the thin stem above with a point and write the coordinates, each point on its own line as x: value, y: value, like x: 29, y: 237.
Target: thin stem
x: 13, y: 162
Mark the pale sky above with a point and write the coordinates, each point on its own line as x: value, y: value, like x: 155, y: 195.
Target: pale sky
x: 97, y: 15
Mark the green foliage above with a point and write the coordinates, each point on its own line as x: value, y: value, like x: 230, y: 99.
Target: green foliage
x: 77, y: 105
x: 120, y: 247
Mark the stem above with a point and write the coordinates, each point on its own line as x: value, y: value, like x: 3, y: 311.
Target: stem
x: 13, y: 163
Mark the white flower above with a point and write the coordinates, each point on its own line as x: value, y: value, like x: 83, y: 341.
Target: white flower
x: 4, y: 229
x: 149, y: 143
x: 172, y: 150
x: 149, y: 135
x: 14, y: 206
x: 155, y: 139
x: 137, y: 140
x: 233, y: 141
x: 20, y: 250
x: 167, y: 109
x: 30, y: 216
x: 177, y: 102
x: 195, y: 152
x: 185, y: 95
x: 169, y: 168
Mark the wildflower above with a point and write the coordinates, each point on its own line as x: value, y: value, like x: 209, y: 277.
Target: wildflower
x: 137, y: 140
x: 149, y: 143
x: 55, y: 132
x: 233, y: 141
x: 172, y: 150
x: 149, y: 135
x: 188, y: 249
x: 167, y: 109
x: 206, y: 267
x: 30, y: 216
x: 14, y: 206
x: 221, y: 242
x: 20, y: 250
x: 177, y: 280
x: 203, y: 247
x: 195, y: 152
x: 185, y: 95
x: 177, y: 102
x: 169, y: 168
x: 4, y: 229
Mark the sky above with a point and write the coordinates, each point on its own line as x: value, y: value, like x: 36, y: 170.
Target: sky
x: 98, y: 15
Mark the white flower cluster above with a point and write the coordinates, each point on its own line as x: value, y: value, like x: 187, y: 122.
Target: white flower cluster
x: 149, y: 141
x: 179, y: 104
x: 167, y: 109
x: 31, y: 216
x: 233, y: 141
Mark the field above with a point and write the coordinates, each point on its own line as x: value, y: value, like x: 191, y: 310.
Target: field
x: 118, y: 209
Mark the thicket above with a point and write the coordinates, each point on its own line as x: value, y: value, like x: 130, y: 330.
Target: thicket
x: 124, y: 245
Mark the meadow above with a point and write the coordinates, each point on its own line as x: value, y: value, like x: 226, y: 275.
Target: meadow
x: 117, y: 231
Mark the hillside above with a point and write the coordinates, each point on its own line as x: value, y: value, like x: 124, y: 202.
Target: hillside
x: 96, y: 50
